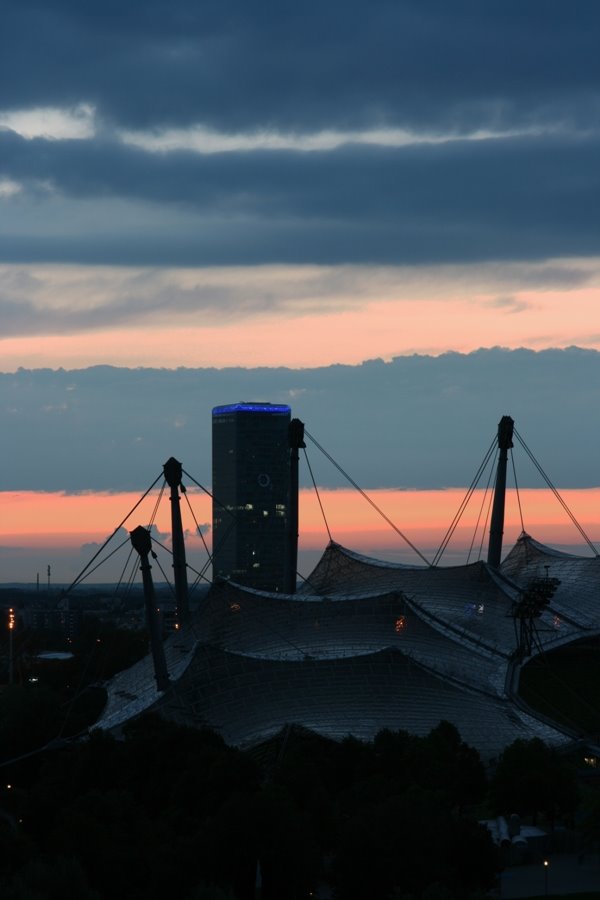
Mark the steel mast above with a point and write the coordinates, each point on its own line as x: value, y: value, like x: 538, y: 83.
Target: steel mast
x: 172, y: 470
x: 142, y: 543
x: 505, y: 435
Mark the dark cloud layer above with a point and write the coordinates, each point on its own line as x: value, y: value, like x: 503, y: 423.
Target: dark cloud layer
x: 414, y: 422
x: 234, y: 64
x: 465, y: 201
x: 436, y: 68
x: 448, y: 180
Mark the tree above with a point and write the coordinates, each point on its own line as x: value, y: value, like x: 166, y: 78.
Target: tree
x: 408, y: 843
x: 59, y: 878
x: 30, y: 717
x: 205, y: 891
x: 533, y: 778
x: 441, y: 761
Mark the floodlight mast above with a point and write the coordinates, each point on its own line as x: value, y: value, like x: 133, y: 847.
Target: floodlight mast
x: 505, y: 435
x: 142, y: 543
x: 173, y: 470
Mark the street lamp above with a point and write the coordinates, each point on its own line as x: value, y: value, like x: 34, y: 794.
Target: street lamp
x: 546, y: 867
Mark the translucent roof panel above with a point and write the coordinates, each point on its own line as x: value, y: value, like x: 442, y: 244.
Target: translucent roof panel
x: 577, y: 598
x: 247, y: 700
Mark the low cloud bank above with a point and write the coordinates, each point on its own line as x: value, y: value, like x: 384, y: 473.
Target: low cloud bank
x: 417, y: 421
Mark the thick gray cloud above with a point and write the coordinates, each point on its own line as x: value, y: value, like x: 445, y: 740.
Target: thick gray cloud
x: 529, y: 72
x: 235, y: 64
x: 413, y: 422
x: 464, y: 201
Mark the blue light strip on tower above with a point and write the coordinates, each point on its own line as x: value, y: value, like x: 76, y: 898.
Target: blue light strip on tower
x: 278, y: 409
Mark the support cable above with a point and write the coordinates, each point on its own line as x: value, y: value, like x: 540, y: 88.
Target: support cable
x: 119, y: 526
x: 317, y: 492
x: 164, y: 575
x: 266, y: 624
x: 133, y: 562
x: 206, y: 491
x: 476, y: 529
x: 224, y: 537
x: 199, y: 575
x: 485, y: 529
x: 202, y: 574
x: 191, y: 568
x: 135, y: 566
x: 556, y: 494
x: 156, y: 505
x: 512, y: 459
x: 464, y: 503
x: 122, y: 575
x: 97, y: 566
x: 197, y: 525
x: 368, y: 499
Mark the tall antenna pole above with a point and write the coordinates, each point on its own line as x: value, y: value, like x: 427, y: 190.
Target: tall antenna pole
x: 296, y: 433
x: 505, y: 435
x: 173, y: 470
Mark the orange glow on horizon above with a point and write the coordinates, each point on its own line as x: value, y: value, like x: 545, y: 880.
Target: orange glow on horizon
x: 377, y: 331
x: 37, y: 520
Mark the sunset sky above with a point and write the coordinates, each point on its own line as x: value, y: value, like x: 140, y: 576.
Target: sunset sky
x: 362, y: 194
x: 70, y: 529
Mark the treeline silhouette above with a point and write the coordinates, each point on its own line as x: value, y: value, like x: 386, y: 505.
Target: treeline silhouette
x: 167, y: 811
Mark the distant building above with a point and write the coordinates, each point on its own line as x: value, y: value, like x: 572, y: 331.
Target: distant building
x: 251, y: 494
x: 65, y: 621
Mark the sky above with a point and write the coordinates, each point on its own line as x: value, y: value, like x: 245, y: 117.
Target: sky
x: 383, y: 213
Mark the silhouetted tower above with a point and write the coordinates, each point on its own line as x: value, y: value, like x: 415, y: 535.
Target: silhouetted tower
x: 296, y: 440
x: 505, y: 434
x: 142, y: 543
x: 172, y: 471
x: 251, y: 495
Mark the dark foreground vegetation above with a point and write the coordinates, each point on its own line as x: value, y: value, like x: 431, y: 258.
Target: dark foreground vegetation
x: 170, y: 812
